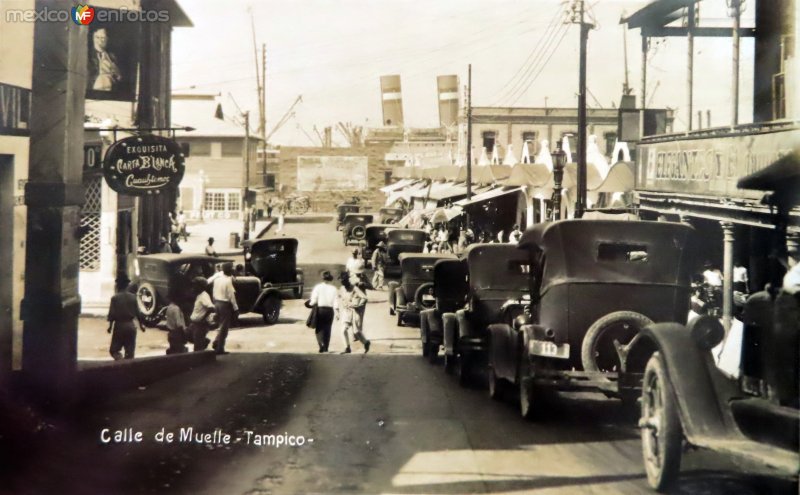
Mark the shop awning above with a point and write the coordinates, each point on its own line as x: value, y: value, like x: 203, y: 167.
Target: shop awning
x: 491, y: 194
x: 485, y: 174
x: 782, y: 177
x: 529, y: 174
x: 593, y: 176
x: 620, y: 178
x: 444, y: 172
x: 397, y: 185
x: 444, y: 215
x: 406, y: 193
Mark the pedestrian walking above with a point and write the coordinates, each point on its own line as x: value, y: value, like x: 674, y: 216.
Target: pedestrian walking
x: 343, y: 313
x: 442, y: 239
x: 225, y: 303
x: 323, y: 296
x: 270, y: 205
x: 122, y: 320
x: 176, y: 325
x: 202, y: 312
x: 253, y: 218
x: 210, y: 250
x: 379, y: 259
x: 281, y: 216
x: 182, y: 226
x: 358, y: 303
x: 354, y: 266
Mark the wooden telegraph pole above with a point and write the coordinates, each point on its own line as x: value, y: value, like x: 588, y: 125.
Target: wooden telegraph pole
x: 580, y: 205
x: 469, y: 131
x: 246, y: 178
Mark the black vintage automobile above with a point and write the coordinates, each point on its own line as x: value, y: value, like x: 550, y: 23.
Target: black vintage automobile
x: 594, y: 284
x: 343, y: 209
x: 498, y: 284
x: 161, y: 275
x: 687, y: 400
x: 450, y: 289
x: 374, y: 233
x: 390, y: 215
x: 354, y: 226
x: 414, y: 292
x: 274, y: 262
x: 400, y: 241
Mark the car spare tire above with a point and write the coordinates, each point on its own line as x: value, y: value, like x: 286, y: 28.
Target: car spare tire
x: 147, y: 300
x: 597, y: 351
x: 421, y: 292
x: 358, y: 232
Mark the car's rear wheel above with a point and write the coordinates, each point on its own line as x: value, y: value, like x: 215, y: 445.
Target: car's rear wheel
x: 526, y: 398
x: 598, y: 352
x: 271, y: 310
x: 423, y: 334
x: 660, y: 427
x: 495, y: 385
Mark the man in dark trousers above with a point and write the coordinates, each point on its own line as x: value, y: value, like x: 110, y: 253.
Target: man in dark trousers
x: 225, y: 303
x: 123, y: 319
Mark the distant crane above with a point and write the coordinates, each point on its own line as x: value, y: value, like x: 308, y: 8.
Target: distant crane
x: 288, y: 115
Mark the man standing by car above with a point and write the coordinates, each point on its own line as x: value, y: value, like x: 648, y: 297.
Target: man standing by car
x: 225, y: 303
x: 378, y: 264
x: 201, y: 310
x: 123, y: 320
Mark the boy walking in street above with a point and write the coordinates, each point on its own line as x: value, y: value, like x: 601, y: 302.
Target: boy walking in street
x: 176, y: 326
x: 122, y: 321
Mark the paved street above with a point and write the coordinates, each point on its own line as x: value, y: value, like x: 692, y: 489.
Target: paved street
x: 384, y: 422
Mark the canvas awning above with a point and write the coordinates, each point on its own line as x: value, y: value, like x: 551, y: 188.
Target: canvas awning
x: 491, y: 194
x: 529, y: 174
x: 444, y: 215
x: 485, y: 174
x: 405, y: 193
x: 397, y: 185
x: 620, y: 178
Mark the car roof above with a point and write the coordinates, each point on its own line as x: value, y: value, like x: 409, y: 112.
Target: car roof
x: 276, y: 240
x: 182, y: 258
x: 566, y: 233
x: 358, y: 214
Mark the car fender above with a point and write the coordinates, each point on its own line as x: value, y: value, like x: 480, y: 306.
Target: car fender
x: 450, y: 331
x: 268, y: 292
x: 699, y: 388
x: 501, y: 355
x: 464, y: 327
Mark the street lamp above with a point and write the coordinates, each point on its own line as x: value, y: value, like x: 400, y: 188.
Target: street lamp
x: 559, y: 161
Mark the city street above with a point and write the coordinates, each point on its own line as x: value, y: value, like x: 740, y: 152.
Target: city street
x: 384, y: 422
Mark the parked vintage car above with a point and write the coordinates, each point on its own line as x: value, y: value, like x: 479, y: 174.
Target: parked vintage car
x: 450, y: 289
x: 390, y: 215
x: 161, y: 275
x: 274, y: 262
x: 498, y: 284
x: 687, y: 400
x: 342, y: 210
x: 594, y: 284
x: 375, y: 233
x: 400, y: 241
x: 414, y: 292
x: 354, y: 226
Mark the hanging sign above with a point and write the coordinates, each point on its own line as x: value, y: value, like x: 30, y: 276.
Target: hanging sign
x: 143, y: 165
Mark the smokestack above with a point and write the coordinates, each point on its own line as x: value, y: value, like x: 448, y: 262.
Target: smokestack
x: 448, y: 99
x: 391, y: 100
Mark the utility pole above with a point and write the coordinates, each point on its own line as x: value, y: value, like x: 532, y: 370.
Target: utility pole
x: 580, y: 204
x: 246, y: 178
x: 469, y: 131
x: 736, y: 12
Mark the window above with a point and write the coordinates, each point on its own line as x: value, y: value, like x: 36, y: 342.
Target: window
x: 185, y: 149
x: 214, y: 201
x: 234, y: 201
x: 89, y: 257
x: 489, y: 138
x: 611, y: 139
x: 201, y: 148
x: 232, y: 148
x: 269, y: 182
x: 619, y: 252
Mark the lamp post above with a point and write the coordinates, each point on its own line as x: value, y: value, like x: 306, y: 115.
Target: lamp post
x: 559, y: 161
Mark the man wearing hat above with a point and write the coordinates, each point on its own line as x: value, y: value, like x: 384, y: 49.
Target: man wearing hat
x: 123, y: 318
x: 323, y: 296
x: 378, y: 264
x: 203, y: 307
x: 225, y: 302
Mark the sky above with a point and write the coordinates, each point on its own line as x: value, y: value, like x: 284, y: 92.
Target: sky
x: 332, y: 52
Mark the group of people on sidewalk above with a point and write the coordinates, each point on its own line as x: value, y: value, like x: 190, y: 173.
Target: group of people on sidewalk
x: 217, y: 310
x: 347, y: 305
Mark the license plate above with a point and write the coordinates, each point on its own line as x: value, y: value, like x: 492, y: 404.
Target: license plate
x: 549, y: 349
x: 428, y: 297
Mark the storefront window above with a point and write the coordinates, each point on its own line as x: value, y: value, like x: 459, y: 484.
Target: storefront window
x: 214, y: 201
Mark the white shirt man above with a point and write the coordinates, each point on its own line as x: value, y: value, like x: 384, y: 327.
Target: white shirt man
x: 354, y: 265
x: 324, y: 295
x: 223, y: 290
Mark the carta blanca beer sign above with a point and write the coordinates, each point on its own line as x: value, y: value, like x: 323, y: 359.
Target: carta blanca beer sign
x: 143, y: 165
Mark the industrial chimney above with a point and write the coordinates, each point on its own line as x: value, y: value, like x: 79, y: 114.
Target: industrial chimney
x: 448, y: 100
x: 391, y: 100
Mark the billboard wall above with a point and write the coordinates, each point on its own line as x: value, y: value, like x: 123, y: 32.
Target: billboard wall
x: 331, y: 173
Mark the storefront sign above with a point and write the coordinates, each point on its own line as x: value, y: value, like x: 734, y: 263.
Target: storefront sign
x: 15, y: 110
x: 142, y: 165
x: 710, y: 166
x: 331, y: 173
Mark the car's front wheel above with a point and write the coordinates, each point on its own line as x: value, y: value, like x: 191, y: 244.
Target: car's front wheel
x: 271, y: 310
x: 526, y: 398
x: 147, y: 304
x: 660, y: 426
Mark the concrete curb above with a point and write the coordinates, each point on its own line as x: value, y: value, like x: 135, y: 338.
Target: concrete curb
x: 104, y: 376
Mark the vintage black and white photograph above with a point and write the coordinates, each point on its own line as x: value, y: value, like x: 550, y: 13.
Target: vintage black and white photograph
x: 407, y: 247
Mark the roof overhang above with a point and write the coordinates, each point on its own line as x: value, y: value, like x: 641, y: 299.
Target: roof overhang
x: 657, y: 13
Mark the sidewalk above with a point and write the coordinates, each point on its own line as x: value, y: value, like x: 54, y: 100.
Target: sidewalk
x: 220, y: 230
